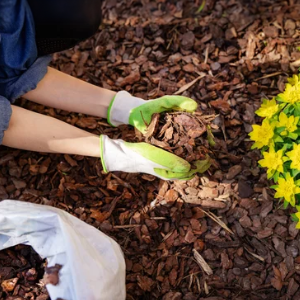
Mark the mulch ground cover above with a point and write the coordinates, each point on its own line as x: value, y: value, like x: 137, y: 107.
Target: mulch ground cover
x: 221, y: 235
x: 21, y: 274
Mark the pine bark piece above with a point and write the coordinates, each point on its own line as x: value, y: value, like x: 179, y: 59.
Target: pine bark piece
x: 9, y: 284
x: 52, y: 275
x: 202, y: 263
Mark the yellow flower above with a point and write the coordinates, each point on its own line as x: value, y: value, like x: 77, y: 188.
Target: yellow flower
x: 268, y: 108
x: 273, y: 161
x: 290, y: 123
x: 291, y: 94
x: 294, y: 156
x: 294, y: 80
x: 262, y: 135
x: 287, y: 189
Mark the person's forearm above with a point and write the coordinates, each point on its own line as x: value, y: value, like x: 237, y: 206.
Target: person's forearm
x: 62, y: 91
x: 35, y: 132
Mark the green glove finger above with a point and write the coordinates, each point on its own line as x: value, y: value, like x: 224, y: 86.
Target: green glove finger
x: 172, y: 175
x: 161, y: 157
x: 201, y: 167
x: 141, y: 116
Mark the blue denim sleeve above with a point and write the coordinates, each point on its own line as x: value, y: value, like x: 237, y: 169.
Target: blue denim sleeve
x: 5, y: 113
x: 20, y: 68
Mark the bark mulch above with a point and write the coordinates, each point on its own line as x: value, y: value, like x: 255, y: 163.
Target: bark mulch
x: 21, y: 274
x: 218, y: 236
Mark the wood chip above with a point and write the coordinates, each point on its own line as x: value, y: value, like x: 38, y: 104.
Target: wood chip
x: 202, y: 263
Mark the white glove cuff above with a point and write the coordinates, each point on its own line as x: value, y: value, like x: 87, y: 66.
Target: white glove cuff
x: 120, y: 108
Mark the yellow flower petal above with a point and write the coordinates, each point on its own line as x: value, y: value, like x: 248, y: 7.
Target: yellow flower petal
x: 287, y: 189
x: 290, y: 123
x: 294, y: 156
x: 273, y: 161
x: 291, y: 94
x: 268, y: 108
x: 263, y: 134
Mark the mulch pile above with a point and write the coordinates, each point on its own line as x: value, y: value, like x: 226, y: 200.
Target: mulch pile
x: 217, y: 236
x: 184, y: 134
x: 21, y: 274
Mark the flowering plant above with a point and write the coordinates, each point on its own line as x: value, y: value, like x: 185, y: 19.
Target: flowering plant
x: 278, y: 138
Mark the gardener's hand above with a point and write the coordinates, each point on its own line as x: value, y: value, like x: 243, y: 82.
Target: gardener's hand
x: 117, y: 155
x: 126, y: 109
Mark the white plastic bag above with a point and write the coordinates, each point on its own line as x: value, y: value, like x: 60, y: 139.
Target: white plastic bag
x: 93, y: 263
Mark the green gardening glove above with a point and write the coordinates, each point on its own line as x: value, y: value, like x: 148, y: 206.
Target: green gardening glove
x: 117, y: 155
x: 126, y: 109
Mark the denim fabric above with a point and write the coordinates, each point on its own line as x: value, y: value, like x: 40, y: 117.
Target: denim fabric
x: 20, y: 69
x: 5, y: 113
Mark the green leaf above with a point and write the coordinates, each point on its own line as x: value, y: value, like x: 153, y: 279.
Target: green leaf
x: 282, y: 106
x: 294, y: 174
x: 288, y: 142
x: 278, y: 139
x: 293, y: 135
x: 272, y: 174
x: 297, y: 110
x: 279, y: 129
x: 201, y: 7
x: 297, y: 199
x: 285, y: 204
x: 210, y: 137
x: 294, y: 218
x: 279, y: 99
x: 289, y: 145
x: 288, y: 109
x: 276, y: 176
x: 286, y: 147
